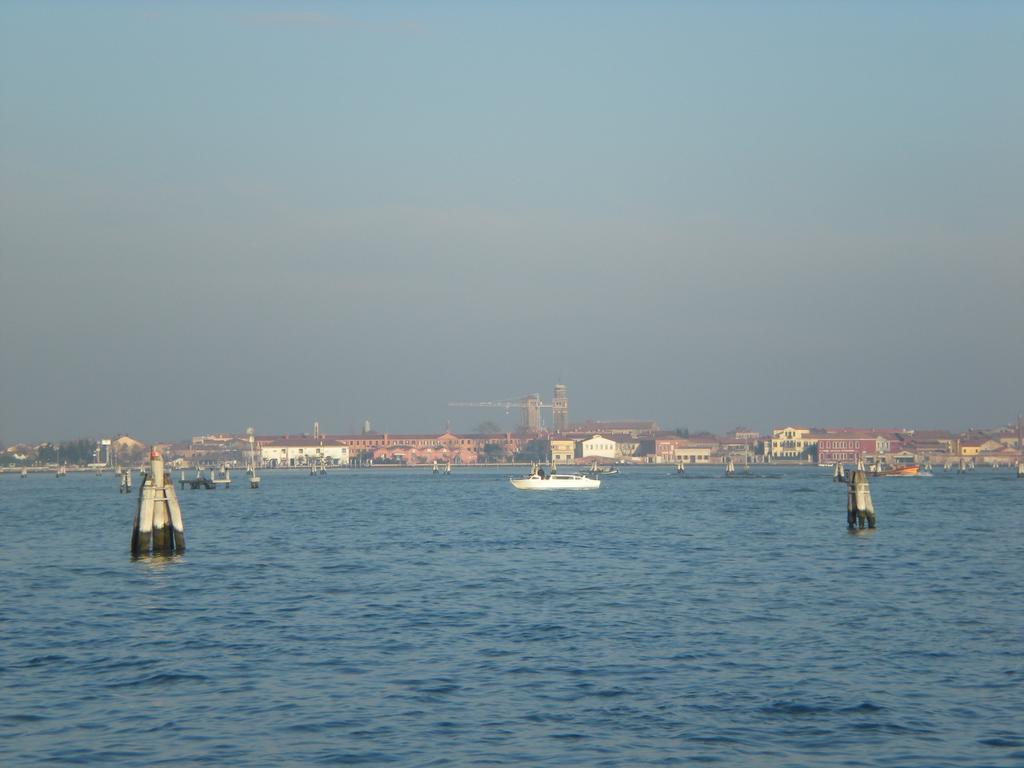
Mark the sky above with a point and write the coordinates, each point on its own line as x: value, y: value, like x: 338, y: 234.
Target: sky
x: 707, y: 214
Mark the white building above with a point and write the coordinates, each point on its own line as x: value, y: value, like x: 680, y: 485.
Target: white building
x: 301, y: 451
x: 598, y: 447
x: 692, y: 454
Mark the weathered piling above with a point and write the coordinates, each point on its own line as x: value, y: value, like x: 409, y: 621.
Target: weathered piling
x: 1020, y: 468
x: 859, y: 509
x: 680, y: 469
x: 126, y: 481
x: 158, y: 526
x: 839, y: 473
x: 730, y: 468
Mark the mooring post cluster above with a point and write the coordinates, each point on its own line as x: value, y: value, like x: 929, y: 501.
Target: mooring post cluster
x: 859, y: 509
x: 158, y: 527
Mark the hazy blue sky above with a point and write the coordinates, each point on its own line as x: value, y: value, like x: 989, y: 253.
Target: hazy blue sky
x: 217, y: 214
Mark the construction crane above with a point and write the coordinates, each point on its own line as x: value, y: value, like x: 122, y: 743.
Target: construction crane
x: 529, y: 405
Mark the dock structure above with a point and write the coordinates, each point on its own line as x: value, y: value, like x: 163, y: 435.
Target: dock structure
x: 158, y: 527
x: 223, y: 478
x: 202, y: 481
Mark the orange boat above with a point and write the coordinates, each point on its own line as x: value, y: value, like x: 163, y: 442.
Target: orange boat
x: 907, y: 470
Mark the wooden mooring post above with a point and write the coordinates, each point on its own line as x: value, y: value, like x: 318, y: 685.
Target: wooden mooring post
x: 859, y: 509
x: 158, y: 527
x: 126, y: 481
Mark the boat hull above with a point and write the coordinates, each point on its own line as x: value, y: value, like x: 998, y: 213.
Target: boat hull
x: 908, y: 471
x: 555, y: 483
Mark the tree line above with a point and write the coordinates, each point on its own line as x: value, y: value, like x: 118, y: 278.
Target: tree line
x: 81, y: 451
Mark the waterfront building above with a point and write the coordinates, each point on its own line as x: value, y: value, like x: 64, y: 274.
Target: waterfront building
x: 849, y: 446
x: 562, y: 451
x: 790, y: 442
x: 970, y: 446
x: 599, y: 447
x: 627, y: 448
x: 672, y: 449
x: 286, y: 450
x: 302, y: 451
x: 616, y: 428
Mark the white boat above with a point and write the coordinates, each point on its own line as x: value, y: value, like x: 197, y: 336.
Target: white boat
x: 538, y: 481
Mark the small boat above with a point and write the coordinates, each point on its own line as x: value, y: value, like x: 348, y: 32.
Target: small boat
x: 538, y: 481
x: 905, y: 470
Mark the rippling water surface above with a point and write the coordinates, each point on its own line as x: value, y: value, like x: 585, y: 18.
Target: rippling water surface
x: 395, y: 617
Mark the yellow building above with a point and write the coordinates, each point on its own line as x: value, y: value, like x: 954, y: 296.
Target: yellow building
x: 971, y: 447
x: 790, y: 442
x: 563, y: 451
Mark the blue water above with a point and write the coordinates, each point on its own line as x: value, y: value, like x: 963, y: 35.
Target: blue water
x: 395, y: 617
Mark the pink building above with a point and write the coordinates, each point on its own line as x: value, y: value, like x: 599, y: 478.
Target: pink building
x: 850, y: 445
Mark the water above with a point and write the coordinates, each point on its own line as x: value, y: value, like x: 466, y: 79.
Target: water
x: 395, y: 617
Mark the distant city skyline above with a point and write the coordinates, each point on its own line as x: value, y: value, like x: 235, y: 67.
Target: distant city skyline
x: 708, y: 215
x: 509, y: 424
